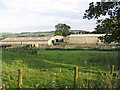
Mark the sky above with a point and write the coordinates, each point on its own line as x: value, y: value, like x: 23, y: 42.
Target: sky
x: 42, y: 15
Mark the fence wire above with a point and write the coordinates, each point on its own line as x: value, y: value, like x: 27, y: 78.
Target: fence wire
x: 81, y: 69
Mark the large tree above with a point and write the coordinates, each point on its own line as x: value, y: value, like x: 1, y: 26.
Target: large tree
x: 110, y: 25
x: 62, y: 29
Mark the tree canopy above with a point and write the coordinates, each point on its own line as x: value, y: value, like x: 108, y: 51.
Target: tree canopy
x: 110, y: 24
x: 62, y: 29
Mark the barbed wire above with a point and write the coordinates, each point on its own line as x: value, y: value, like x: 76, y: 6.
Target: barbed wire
x: 109, y: 66
x: 60, y: 69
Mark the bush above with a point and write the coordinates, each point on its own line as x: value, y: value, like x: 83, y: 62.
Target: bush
x: 24, y: 50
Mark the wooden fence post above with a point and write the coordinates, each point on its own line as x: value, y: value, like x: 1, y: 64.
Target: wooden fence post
x: 111, y: 69
x: 75, y: 76
x: 20, y: 78
x: 60, y: 69
x: 3, y: 87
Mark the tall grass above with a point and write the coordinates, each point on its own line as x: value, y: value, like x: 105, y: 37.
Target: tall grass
x: 50, y: 61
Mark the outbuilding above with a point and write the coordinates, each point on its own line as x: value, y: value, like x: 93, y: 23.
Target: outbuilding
x: 55, y: 39
x: 84, y: 39
x: 33, y: 41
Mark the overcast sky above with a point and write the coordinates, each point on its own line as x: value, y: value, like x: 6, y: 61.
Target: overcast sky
x: 43, y: 15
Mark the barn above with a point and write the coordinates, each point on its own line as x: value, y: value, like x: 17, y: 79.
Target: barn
x: 84, y: 39
x: 33, y: 41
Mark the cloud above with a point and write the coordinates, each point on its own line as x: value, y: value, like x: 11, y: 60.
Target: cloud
x: 45, y: 14
x: 41, y: 5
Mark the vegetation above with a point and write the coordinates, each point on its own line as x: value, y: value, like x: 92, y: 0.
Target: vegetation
x: 43, y: 69
x: 110, y: 24
x: 80, y: 32
x: 25, y: 34
x: 62, y: 29
x: 34, y: 34
x: 37, y: 34
x: 5, y: 35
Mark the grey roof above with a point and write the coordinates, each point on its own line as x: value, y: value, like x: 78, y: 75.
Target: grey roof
x: 27, y: 39
x: 86, y: 35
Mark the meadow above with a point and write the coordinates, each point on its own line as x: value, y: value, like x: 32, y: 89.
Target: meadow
x: 54, y: 68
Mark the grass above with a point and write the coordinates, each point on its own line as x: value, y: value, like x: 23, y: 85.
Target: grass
x: 43, y: 69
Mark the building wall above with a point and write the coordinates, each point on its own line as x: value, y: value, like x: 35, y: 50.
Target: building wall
x: 25, y: 42
x: 34, y: 43
x: 83, y: 40
x: 55, y: 39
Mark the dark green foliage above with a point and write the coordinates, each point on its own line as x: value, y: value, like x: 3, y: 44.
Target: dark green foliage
x: 109, y: 25
x: 24, y: 50
x: 62, y: 29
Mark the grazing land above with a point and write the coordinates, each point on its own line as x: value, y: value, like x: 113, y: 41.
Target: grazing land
x: 54, y: 68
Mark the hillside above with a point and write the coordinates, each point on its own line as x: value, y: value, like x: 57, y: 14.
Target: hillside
x: 25, y: 34
x: 36, y: 34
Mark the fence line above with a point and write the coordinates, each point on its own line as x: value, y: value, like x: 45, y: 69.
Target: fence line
x: 111, y: 70
x: 72, y: 68
x: 20, y: 72
x: 76, y: 73
x: 110, y: 66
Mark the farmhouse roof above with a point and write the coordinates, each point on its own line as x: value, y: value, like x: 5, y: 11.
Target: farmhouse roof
x: 86, y: 35
x: 27, y: 39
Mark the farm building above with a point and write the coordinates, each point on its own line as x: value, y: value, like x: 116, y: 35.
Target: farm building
x: 33, y: 41
x: 84, y: 39
x: 42, y: 42
x: 55, y: 39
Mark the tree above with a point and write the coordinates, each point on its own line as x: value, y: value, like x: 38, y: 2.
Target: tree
x: 110, y: 24
x: 62, y: 29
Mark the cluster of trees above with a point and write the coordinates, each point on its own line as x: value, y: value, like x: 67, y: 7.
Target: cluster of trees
x: 110, y: 24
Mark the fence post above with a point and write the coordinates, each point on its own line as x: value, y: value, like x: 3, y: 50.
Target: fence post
x: 60, y: 69
x: 20, y: 78
x: 3, y: 87
x: 111, y: 69
x: 75, y: 76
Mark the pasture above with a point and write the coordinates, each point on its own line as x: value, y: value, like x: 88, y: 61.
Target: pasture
x: 42, y: 69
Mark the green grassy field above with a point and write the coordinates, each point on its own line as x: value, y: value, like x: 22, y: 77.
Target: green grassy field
x: 43, y: 69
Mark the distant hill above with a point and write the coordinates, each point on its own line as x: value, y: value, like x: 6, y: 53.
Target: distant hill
x: 36, y: 34
x: 26, y: 34
x: 10, y: 35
